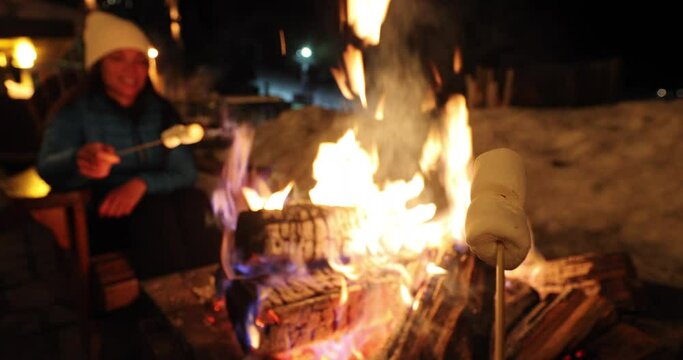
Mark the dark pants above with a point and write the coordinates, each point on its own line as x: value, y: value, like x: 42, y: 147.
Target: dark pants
x: 165, y: 233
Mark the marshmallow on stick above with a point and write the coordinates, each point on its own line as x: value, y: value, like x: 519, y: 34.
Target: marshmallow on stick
x: 171, y: 138
x: 496, y: 213
x: 182, y: 134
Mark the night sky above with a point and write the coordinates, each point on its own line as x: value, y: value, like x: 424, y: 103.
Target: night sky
x: 502, y: 33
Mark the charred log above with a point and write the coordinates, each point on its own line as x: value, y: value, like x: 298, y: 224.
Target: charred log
x: 609, y: 275
x: 558, y: 323
x: 278, y: 314
x: 303, y: 233
x: 519, y: 299
x: 453, y: 317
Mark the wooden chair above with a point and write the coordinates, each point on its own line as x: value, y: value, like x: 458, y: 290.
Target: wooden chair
x: 107, y: 281
x: 65, y: 216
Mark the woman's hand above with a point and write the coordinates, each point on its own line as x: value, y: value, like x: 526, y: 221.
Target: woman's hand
x: 95, y: 160
x: 122, y: 200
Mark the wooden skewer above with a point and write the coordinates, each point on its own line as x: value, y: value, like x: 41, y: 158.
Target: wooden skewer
x: 132, y: 149
x: 499, y: 322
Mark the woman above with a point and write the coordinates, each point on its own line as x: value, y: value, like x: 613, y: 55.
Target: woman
x: 142, y: 202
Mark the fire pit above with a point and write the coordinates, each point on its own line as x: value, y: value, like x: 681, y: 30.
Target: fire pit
x: 590, y: 306
x: 355, y: 268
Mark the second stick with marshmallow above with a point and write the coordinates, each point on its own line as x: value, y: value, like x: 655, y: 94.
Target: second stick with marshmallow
x: 496, y: 213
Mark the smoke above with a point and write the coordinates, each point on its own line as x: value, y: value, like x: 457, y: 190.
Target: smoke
x: 397, y: 69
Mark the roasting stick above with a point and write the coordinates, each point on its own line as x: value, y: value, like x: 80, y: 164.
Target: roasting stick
x: 499, y: 321
x: 140, y: 147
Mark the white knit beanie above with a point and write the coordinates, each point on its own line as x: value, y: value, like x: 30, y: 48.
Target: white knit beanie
x: 106, y: 32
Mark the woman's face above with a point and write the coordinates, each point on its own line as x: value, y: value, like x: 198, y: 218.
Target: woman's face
x: 124, y: 74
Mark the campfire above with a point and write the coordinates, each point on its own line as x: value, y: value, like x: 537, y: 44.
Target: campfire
x: 357, y: 269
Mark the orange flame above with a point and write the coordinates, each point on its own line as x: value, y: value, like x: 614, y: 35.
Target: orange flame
x: 433, y: 269
x: 429, y: 101
x: 340, y: 78
x: 431, y: 151
x: 366, y: 18
x: 458, y: 158
x: 254, y: 336
x: 379, y: 113
x: 274, y: 201
x: 405, y: 295
x: 344, y: 172
x: 344, y: 295
x: 353, y: 59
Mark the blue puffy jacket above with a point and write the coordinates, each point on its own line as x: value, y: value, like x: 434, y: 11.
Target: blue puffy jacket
x: 97, y: 118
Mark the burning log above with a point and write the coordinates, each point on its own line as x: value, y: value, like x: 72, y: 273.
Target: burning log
x: 300, y: 233
x: 277, y: 314
x: 558, y: 323
x: 451, y: 318
x: 609, y: 275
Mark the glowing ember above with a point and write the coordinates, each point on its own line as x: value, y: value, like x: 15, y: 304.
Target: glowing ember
x: 438, y: 81
x: 351, y: 346
x: 457, y: 61
x: 366, y: 18
x: 283, y: 43
x: 218, y: 304
x: 273, y: 316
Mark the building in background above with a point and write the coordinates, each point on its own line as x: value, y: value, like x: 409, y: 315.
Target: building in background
x: 38, y: 61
